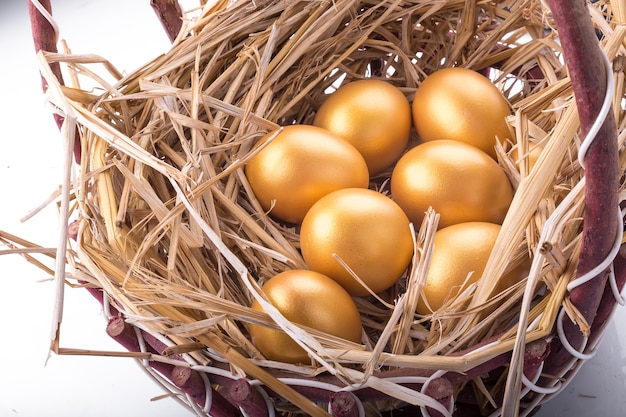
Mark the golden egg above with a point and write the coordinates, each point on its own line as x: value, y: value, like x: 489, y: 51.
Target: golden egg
x: 463, y: 105
x: 459, y: 181
x: 373, y: 115
x: 310, y: 299
x: 299, y: 166
x: 366, y: 230
x: 460, y: 250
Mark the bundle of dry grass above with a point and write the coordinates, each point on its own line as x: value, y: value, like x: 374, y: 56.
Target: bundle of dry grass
x: 169, y: 229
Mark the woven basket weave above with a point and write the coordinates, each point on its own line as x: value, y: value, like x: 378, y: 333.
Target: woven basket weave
x: 169, y: 236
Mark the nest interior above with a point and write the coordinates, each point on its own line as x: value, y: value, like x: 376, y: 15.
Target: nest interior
x: 170, y: 230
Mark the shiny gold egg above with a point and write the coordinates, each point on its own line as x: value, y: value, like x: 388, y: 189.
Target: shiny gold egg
x: 366, y: 230
x: 459, y: 257
x: 371, y: 114
x: 461, y: 104
x: 459, y: 181
x: 300, y: 165
x: 310, y: 299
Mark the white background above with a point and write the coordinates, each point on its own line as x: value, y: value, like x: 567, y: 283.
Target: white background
x: 128, y: 34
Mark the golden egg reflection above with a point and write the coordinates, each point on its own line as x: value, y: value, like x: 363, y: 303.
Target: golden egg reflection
x: 310, y: 299
x: 461, y: 104
x: 300, y: 165
x: 366, y: 230
x: 371, y: 114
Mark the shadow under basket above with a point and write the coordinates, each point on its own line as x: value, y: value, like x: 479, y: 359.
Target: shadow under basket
x: 168, y: 235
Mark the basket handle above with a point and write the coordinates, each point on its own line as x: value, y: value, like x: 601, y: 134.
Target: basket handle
x: 45, y: 37
x: 170, y: 14
x: 594, y: 298
x: 585, y: 63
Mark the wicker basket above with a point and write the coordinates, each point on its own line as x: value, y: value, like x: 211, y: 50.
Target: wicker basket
x: 166, y: 233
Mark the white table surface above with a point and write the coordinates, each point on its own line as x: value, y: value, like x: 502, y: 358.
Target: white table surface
x: 30, y: 170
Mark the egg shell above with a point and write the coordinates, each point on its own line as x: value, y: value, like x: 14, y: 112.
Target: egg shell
x: 371, y: 114
x: 459, y: 181
x: 301, y: 164
x: 461, y: 104
x: 310, y: 299
x: 366, y: 230
x: 459, y: 257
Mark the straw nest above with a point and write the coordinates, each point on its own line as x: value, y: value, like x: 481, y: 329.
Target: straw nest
x: 170, y: 230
